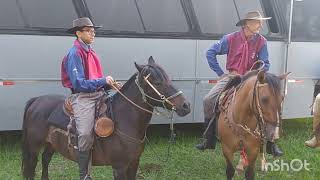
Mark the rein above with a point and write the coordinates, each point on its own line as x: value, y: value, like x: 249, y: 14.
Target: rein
x: 162, y: 99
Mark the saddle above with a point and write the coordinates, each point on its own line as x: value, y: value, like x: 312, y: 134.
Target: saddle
x: 63, y: 118
x: 103, y: 125
x: 228, y: 90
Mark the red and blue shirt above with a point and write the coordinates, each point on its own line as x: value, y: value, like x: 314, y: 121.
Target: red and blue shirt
x: 81, y: 70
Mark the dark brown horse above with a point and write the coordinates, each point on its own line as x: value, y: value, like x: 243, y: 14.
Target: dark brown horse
x: 250, y: 113
x: 121, y: 150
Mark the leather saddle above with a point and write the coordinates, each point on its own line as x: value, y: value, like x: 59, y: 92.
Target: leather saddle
x: 226, y: 93
x: 63, y: 117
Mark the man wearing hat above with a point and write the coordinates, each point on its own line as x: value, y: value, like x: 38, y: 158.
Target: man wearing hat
x: 243, y: 49
x: 82, y: 73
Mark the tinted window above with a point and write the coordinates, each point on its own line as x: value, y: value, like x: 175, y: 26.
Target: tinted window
x: 115, y: 15
x: 10, y: 15
x: 216, y: 16
x: 163, y: 15
x: 48, y: 13
x: 306, y: 21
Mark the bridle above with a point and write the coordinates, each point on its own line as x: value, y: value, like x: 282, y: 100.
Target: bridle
x: 258, y: 113
x: 163, y: 99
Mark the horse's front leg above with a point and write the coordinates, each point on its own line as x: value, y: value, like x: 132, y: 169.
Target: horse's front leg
x: 132, y: 170
x: 230, y: 170
x: 228, y: 154
x: 250, y: 172
x: 252, y: 157
x: 120, y: 172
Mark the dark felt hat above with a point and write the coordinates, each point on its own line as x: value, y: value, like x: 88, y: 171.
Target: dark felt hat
x: 81, y: 22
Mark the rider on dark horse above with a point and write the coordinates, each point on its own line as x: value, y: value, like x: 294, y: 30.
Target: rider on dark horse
x: 243, y: 49
x: 82, y: 73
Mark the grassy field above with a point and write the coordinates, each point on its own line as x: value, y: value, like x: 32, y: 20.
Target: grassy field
x: 185, y: 162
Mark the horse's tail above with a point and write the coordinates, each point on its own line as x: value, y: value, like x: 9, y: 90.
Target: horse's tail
x: 25, y: 149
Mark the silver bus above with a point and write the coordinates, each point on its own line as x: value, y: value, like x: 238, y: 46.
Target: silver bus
x: 177, y: 33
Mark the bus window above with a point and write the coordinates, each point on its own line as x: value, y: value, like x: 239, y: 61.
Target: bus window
x: 306, y: 21
x: 48, y: 13
x: 115, y: 15
x: 216, y: 16
x: 10, y: 16
x: 163, y: 16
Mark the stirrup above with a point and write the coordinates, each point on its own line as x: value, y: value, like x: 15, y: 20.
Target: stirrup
x: 87, y: 177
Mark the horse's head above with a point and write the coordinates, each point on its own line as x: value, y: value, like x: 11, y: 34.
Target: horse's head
x: 158, y: 89
x: 267, y: 98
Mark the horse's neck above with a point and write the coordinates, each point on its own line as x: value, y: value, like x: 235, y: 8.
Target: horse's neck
x: 242, y: 107
x: 131, y: 119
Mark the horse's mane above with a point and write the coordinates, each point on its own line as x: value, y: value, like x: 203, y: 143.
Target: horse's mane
x: 273, y: 81
x: 126, y: 85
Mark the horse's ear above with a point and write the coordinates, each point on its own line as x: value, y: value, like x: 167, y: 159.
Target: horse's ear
x: 284, y: 76
x: 138, y: 66
x: 261, y: 76
x: 151, y: 60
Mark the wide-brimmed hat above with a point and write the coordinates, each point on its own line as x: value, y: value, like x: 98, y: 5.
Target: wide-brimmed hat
x: 81, y: 22
x: 252, y: 15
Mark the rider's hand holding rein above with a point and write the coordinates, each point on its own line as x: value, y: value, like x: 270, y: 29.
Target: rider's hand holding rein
x: 112, y: 82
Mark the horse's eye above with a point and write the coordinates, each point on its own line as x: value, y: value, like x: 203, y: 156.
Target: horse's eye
x: 157, y: 83
x: 265, y: 100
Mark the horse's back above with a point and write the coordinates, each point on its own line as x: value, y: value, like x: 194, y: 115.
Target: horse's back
x: 38, y: 109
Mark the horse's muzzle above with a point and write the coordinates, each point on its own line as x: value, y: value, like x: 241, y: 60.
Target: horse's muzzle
x: 183, y: 109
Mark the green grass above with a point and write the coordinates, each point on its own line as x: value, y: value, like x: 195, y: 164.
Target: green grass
x: 185, y: 162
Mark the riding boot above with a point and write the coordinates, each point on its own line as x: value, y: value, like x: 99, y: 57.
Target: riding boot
x: 210, y: 138
x: 273, y: 149
x: 84, y: 158
x: 315, y: 141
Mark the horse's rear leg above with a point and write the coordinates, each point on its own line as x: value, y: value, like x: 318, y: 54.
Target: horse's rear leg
x: 30, y: 160
x: 46, y: 158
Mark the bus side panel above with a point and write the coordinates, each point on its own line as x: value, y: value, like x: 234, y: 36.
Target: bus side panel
x: 30, y: 58
x: 303, y: 63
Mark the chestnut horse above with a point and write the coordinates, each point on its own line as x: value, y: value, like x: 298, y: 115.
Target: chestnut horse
x: 250, y: 113
x: 121, y: 150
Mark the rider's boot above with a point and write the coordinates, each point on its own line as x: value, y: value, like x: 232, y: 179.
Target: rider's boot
x: 273, y: 149
x: 84, y: 158
x: 210, y: 138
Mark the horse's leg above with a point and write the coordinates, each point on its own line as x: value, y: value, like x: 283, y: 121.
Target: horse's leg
x: 120, y: 171
x: 46, y: 158
x: 132, y: 170
x: 229, y: 158
x: 252, y: 157
x: 250, y: 172
x: 30, y: 159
